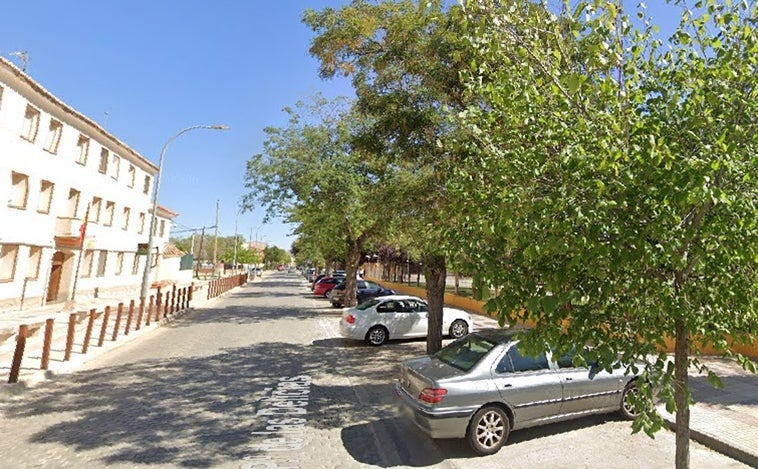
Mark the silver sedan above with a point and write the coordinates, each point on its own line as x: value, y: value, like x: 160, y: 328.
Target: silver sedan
x: 481, y: 387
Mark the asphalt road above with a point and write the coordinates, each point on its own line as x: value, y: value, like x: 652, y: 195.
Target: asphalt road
x: 260, y: 379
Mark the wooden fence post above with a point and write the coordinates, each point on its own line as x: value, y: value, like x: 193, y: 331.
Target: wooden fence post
x: 18, y: 354
x: 151, y: 304
x: 88, y: 333
x: 70, y: 336
x: 141, y: 314
x: 158, y: 304
x: 119, y: 314
x: 129, y: 317
x: 104, y: 326
x: 173, y: 299
x: 47, y: 343
x: 191, y: 291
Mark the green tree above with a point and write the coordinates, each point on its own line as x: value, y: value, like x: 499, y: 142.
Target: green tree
x: 610, y: 183
x: 403, y: 58
x: 311, y: 174
x: 274, y: 255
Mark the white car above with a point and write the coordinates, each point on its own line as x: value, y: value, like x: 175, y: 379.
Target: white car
x: 398, y: 316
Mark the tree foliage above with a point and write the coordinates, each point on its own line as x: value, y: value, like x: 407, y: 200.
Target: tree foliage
x: 403, y: 58
x: 609, y: 182
x: 312, y: 173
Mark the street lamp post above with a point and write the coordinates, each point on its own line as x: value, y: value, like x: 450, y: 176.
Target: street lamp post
x: 156, y: 188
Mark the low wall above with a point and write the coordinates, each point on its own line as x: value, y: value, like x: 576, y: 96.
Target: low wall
x: 472, y: 305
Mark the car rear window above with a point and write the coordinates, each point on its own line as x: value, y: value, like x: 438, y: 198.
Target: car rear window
x: 466, y: 352
x: 367, y: 304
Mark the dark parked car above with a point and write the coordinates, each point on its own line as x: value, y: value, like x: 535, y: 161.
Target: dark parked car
x: 481, y: 387
x: 366, y: 290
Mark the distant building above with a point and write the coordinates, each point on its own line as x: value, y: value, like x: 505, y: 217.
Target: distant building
x: 78, y: 202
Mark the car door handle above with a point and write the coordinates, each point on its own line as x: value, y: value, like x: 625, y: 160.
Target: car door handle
x: 507, y: 385
x: 569, y: 379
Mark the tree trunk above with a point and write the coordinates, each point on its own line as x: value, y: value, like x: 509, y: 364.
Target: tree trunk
x: 435, y: 273
x: 351, y: 270
x: 681, y: 361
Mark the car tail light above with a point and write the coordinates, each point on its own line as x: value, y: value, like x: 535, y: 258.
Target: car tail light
x: 432, y: 395
x: 350, y: 319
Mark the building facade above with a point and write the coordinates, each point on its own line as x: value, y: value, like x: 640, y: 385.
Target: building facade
x: 78, y: 202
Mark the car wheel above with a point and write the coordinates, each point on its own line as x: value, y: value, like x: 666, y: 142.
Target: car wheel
x: 627, y: 409
x: 488, y: 430
x: 458, y: 329
x: 377, y: 335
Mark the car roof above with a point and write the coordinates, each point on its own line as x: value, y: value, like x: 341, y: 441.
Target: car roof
x: 401, y: 297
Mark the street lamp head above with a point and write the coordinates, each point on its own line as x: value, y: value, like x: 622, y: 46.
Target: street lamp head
x: 219, y: 127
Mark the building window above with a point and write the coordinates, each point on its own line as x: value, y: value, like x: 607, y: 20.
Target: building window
x: 141, y: 223
x: 19, y: 190
x: 45, y: 196
x: 102, y: 259
x: 131, y: 175
x: 119, y: 263
x: 83, y: 146
x: 125, y: 218
x: 31, y: 124
x: 103, y: 168
x: 109, y: 209
x: 115, y: 167
x: 8, y: 254
x: 146, y: 185
x: 135, y: 264
x: 163, y: 229
x: 53, y: 136
x: 35, y: 257
x: 87, y: 264
x: 73, y: 203
x: 97, y: 205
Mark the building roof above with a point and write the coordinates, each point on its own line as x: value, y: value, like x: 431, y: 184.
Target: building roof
x: 172, y: 251
x: 37, y: 95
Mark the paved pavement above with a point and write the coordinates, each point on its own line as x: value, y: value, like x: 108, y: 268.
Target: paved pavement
x: 725, y: 420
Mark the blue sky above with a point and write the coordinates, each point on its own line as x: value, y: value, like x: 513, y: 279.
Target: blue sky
x: 145, y: 69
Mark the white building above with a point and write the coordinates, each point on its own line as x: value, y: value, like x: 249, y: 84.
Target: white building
x: 66, y: 177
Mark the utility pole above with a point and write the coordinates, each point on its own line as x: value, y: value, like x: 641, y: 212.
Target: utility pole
x: 215, y: 241
x: 200, y: 253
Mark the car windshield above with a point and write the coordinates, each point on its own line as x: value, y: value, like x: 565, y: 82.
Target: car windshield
x: 367, y: 304
x: 466, y: 352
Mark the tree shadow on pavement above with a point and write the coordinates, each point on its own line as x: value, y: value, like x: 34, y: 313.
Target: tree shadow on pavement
x: 199, y: 411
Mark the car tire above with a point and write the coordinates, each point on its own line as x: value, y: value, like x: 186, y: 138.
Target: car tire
x: 458, y: 328
x: 627, y: 410
x: 488, y: 430
x: 377, y: 335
